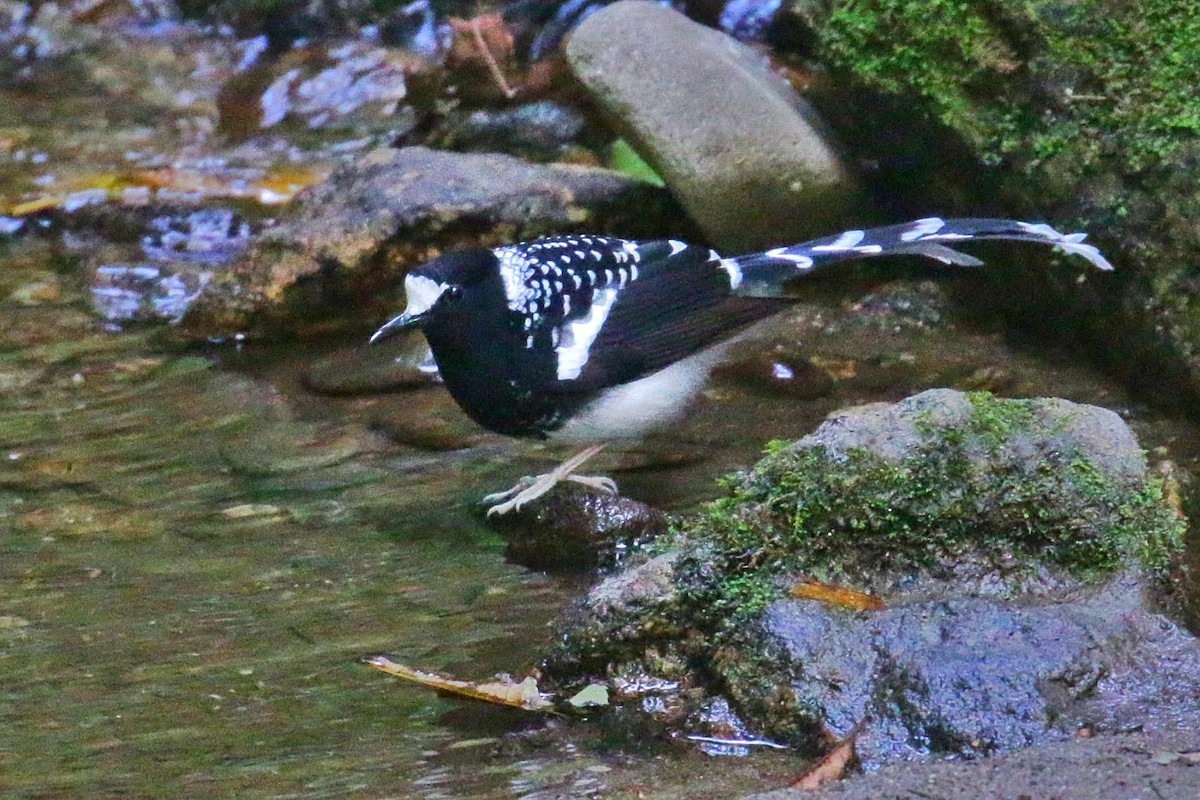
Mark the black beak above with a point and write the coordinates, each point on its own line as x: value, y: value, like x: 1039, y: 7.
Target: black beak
x: 395, y: 326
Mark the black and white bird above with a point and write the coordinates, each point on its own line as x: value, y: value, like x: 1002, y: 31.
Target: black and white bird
x: 591, y: 338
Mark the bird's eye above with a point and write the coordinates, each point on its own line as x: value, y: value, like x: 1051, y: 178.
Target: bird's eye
x: 453, y: 292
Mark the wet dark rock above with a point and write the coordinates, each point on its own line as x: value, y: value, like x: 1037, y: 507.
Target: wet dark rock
x: 745, y: 155
x: 748, y: 20
x: 356, y: 233
x: 539, y: 131
x: 1016, y: 544
x: 1132, y: 764
x: 975, y: 675
x: 577, y: 528
x: 406, y: 364
x: 412, y: 26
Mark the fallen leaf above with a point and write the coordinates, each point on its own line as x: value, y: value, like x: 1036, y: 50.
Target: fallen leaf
x: 247, y: 510
x: 138, y: 188
x: 595, y: 694
x: 515, y: 694
x: 832, y: 765
x: 836, y: 596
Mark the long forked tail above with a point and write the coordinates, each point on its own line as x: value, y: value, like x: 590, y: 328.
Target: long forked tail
x: 763, y: 274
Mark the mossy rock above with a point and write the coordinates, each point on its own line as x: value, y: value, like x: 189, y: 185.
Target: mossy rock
x: 915, y: 486
x: 1083, y: 113
x: 1001, y: 526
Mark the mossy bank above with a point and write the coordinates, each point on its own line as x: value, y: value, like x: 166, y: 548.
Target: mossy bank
x: 961, y: 511
x: 1083, y: 113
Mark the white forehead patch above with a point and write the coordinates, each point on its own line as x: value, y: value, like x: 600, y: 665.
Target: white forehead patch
x: 422, y: 293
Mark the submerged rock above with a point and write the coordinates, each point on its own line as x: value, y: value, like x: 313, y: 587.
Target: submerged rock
x: 745, y: 155
x: 360, y: 230
x: 1013, y: 542
x: 539, y: 131
x: 575, y: 528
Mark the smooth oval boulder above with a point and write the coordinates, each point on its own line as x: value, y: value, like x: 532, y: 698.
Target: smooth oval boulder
x: 745, y: 155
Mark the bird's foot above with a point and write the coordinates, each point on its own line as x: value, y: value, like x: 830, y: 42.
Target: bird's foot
x: 529, y: 489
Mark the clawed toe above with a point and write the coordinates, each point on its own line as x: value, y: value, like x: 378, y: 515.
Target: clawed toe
x: 515, y: 489
x: 599, y: 482
x: 529, y: 489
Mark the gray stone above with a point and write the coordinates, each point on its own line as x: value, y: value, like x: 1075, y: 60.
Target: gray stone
x: 1009, y: 540
x: 975, y: 676
x: 371, y: 220
x: 746, y: 156
x: 896, y: 431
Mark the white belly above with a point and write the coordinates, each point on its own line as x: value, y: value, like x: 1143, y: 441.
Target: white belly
x: 631, y: 410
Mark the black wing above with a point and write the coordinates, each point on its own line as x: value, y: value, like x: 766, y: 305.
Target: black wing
x: 600, y: 312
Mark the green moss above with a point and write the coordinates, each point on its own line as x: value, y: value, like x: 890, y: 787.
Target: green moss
x: 845, y: 516
x: 1033, y: 80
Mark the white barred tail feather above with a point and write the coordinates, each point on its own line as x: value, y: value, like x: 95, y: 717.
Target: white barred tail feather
x: 764, y: 274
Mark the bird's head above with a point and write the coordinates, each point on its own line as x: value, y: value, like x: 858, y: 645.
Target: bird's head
x: 440, y: 287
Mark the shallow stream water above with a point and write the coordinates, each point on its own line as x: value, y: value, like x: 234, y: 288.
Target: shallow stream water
x: 194, y: 552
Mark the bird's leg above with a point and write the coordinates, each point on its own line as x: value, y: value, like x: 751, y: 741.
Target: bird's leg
x: 529, y: 489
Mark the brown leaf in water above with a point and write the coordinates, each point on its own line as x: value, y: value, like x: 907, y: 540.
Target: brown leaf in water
x: 832, y: 765
x: 836, y: 596
x: 515, y: 694
x: 484, y: 41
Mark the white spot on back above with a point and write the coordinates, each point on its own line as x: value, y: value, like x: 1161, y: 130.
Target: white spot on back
x: 676, y: 246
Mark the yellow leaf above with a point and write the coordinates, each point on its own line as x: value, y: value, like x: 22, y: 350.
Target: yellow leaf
x: 523, y: 694
x: 836, y: 596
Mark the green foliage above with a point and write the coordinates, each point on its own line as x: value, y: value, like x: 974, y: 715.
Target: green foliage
x: 624, y: 159
x: 1032, y: 80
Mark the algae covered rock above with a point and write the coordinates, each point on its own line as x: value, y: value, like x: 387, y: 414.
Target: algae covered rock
x: 1012, y: 541
x: 1082, y: 112
x: 942, y: 474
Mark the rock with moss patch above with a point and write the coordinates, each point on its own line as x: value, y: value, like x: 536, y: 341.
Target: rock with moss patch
x: 1083, y: 113
x: 1013, y: 542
